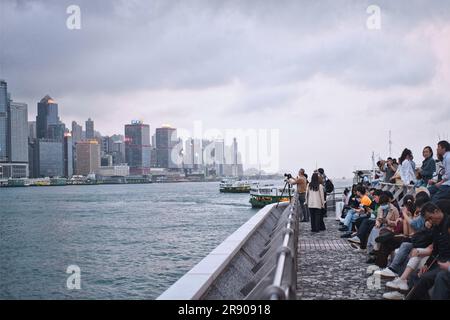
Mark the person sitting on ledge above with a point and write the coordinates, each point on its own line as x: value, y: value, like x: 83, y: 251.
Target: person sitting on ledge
x: 439, y: 251
x: 353, y: 214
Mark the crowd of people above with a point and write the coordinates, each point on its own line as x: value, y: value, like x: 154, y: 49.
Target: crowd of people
x: 312, y: 197
x: 408, y: 242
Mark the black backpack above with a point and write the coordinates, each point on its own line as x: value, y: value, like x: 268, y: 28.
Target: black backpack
x: 329, y: 187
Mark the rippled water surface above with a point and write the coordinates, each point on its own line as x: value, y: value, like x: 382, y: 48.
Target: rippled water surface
x: 130, y: 241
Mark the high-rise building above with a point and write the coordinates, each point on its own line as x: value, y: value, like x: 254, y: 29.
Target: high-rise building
x: 118, y: 152
x: 107, y: 145
x: 32, y: 130
x: 90, y: 134
x: 68, y: 155
x: 56, y: 131
x: 33, y: 164
x: 77, y: 132
x: 4, y: 102
x: 18, y: 132
x: 49, y: 158
x: 166, y: 140
x: 137, y: 148
x: 13, y: 136
x: 88, y: 157
x: 47, y: 115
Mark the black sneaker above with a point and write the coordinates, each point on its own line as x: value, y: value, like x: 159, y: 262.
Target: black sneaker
x: 343, y: 228
x: 347, y: 235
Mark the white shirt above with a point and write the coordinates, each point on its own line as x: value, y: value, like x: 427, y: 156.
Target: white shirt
x: 315, y: 199
x: 407, y: 173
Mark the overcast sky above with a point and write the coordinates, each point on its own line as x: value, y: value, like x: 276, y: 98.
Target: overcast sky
x: 311, y: 69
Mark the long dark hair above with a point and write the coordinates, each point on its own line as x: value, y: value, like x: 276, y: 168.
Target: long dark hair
x: 408, y: 202
x: 405, y: 154
x: 430, y: 149
x: 314, y: 184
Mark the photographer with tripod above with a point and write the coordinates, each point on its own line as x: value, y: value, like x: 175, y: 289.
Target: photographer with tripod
x: 301, y: 183
x: 315, y: 200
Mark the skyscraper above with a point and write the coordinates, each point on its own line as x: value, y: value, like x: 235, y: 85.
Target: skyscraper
x: 18, y: 132
x: 137, y: 147
x: 77, y: 132
x: 49, y: 161
x: 47, y: 115
x: 107, y: 145
x: 4, y: 101
x: 88, y: 157
x: 68, y: 155
x: 118, y: 152
x: 166, y: 140
x: 56, y: 131
x: 90, y: 129
x: 13, y: 136
x: 32, y: 130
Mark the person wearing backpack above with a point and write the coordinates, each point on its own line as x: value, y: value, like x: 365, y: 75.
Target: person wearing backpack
x: 328, y: 188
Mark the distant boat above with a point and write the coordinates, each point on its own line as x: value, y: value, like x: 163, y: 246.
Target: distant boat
x: 260, y: 196
x: 235, y: 186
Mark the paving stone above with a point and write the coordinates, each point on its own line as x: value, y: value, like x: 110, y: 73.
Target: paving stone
x: 328, y: 267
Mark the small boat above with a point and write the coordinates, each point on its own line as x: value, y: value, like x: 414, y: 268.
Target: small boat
x: 235, y: 186
x: 260, y: 196
x: 18, y: 183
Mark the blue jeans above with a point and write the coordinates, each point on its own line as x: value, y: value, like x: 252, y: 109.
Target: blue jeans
x: 398, y: 264
x: 350, y: 218
x: 439, y: 193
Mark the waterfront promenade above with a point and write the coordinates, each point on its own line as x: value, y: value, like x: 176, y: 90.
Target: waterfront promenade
x: 329, y: 268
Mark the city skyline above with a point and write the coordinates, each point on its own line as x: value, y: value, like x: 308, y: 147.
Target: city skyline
x: 47, y: 148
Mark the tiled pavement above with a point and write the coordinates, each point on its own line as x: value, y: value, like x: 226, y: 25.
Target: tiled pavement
x: 328, y: 267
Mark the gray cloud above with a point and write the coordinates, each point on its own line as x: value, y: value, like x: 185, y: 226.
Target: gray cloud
x: 273, y: 49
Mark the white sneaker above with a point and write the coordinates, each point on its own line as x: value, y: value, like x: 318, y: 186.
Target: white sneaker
x: 372, y: 269
x: 398, y: 284
x: 386, y: 273
x: 355, y: 239
x: 393, y: 295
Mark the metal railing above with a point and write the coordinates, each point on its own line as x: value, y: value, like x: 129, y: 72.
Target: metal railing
x: 280, y: 257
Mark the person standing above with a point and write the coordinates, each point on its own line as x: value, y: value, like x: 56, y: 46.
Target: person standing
x: 315, y: 201
x: 428, y: 165
x: 301, y: 183
x: 389, y: 168
x: 328, y: 188
x: 406, y: 168
x: 441, y: 190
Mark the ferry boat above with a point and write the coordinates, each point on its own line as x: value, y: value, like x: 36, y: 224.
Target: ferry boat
x: 260, y: 196
x: 58, y: 181
x: 18, y: 183
x: 234, y: 186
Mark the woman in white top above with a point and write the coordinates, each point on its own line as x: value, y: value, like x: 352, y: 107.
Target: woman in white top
x: 407, y: 167
x: 315, y: 200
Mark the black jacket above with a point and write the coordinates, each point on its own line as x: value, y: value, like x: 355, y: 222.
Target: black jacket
x: 441, y: 240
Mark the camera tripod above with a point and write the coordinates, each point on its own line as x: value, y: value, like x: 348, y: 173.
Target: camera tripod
x: 288, y: 185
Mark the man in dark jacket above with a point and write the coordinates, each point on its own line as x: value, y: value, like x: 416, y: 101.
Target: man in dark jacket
x: 439, y: 252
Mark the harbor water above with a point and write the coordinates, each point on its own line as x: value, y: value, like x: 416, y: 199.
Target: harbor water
x: 129, y: 241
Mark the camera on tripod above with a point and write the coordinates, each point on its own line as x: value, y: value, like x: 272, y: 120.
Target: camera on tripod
x: 288, y: 176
